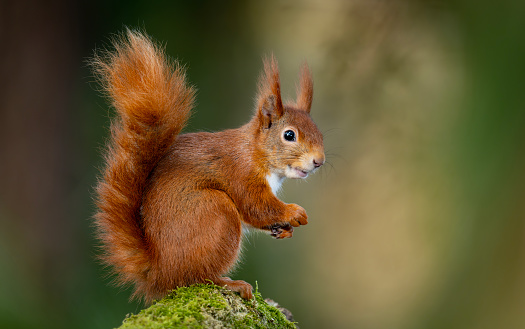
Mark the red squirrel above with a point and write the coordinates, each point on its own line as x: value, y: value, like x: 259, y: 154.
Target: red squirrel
x: 171, y: 206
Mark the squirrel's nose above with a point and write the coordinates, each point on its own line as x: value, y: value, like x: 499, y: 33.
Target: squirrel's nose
x: 318, y: 162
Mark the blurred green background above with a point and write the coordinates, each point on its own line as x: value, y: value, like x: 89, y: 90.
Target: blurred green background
x: 418, y: 220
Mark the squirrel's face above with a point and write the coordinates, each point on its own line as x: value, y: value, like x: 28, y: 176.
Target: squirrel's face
x: 289, y: 139
x: 293, y: 144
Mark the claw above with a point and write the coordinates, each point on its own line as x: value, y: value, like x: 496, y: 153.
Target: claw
x: 281, y: 231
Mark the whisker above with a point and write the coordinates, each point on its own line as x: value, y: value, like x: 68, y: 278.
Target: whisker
x: 326, y: 133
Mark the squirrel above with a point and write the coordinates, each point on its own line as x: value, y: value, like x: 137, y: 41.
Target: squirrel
x: 171, y: 206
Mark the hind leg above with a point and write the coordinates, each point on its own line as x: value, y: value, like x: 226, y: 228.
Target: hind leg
x: 195, y: 242
x: 227, y: 230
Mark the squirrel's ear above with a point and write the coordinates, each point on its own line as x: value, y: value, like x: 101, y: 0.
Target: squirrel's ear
x: 305, y: 89
x: 269, y: 102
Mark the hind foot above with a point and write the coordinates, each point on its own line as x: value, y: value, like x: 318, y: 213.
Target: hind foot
x: 242, y: 287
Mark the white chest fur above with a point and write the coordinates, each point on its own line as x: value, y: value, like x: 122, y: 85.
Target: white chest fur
x: 275, y: 181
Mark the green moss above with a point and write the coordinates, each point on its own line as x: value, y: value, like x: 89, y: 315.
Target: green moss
x: 208, y: 306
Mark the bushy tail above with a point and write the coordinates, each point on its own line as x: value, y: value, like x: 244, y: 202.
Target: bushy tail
x: 153, y: 103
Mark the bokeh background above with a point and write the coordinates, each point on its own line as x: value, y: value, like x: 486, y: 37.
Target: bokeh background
x: 418, y: 219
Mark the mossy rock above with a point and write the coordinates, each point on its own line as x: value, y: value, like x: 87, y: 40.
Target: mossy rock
x: 208, y: 306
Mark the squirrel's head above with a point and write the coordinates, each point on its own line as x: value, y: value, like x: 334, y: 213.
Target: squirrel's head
x: 291, y: 143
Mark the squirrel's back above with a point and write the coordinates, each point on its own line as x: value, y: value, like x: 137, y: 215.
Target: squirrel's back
x: 153, y: 103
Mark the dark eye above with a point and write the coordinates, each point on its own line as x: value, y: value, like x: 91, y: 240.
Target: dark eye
x: 289, y: 135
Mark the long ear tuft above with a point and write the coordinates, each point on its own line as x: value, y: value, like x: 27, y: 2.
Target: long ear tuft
x: 269, y: 102
x: 305, y: 89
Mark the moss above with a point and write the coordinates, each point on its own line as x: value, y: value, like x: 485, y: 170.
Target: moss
x: 208, y: 306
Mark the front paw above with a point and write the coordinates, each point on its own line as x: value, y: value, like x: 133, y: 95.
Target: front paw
x: 281, y: 231
x: 296, y: 215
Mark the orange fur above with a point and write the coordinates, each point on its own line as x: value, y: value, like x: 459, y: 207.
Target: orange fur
x: 170, y: 205
x: 305, y: 89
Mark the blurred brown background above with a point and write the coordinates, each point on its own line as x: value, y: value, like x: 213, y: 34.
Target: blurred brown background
x: 416, y: 222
